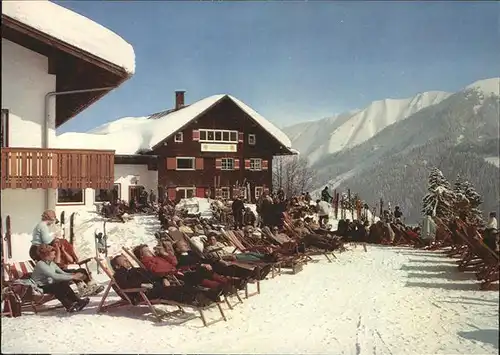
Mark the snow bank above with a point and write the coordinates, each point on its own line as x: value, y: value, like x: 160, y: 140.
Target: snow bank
x: 74, y: 29
x: 417, y: 304
x: 129, y: 135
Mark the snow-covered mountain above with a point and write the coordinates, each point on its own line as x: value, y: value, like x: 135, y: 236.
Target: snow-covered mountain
x: 318, y: 139
x: 456, y: 134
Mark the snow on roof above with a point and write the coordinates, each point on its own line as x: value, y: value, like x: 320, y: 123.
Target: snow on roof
x: 130, y: 135
x: 74, y: 29
x: 268, y: 126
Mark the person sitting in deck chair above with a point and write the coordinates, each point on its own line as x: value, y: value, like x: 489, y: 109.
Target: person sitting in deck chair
x: 184, y: 228
x: 127, y: 276
x: 65, y: 256
x: 200, y: 271
x: 65, y: 253
x: 164, y: 263
x: 42, y: 234
x: 216, y: 253
x: 55, y: 281
x: 315, y: 240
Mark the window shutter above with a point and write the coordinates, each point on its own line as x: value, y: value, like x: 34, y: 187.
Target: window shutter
x: 247, y: 164
x: 199, y: 165
x: 241, y: 137
x: 171, y: 164
x: 196, y: 135
x: 218, y: 163
x: 236, y: 164
x: 171, y: 192
x: 264, y: 165
x: 200, y: 192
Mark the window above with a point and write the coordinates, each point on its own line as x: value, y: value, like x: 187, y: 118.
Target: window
x: 218, y: 135
x: 4, y: 129
x: 185, y: 192
x: 259, y: 190
x: 255, y: 164
x: 226, y: 194
x: 71, y: 196
x: 179, y: 137
x: 108, y: 195
x: 185, y: 163
x: 251, y: 139
x: 227, y: 164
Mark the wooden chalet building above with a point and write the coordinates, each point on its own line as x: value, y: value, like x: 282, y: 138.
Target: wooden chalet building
x: 215, y: 147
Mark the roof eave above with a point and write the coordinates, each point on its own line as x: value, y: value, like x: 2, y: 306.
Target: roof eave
x: 65, y: 47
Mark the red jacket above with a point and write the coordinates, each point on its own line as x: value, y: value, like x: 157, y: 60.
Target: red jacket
x: 160, y: 264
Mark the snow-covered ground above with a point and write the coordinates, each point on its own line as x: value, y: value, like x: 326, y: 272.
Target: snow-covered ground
x: 387, y: 300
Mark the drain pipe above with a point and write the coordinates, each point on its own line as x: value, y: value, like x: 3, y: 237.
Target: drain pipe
x: 46, y: 124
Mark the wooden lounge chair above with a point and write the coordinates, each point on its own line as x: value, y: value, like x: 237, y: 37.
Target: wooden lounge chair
x: 310, y: 253
x: 173, y: 279
x: 237, y: 241
x: 178, y: 235
x: 125, y: 300
x: 29, y: 300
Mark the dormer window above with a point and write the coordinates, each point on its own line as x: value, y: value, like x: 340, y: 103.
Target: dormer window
x: 251, y: 139
x: 179, y: 137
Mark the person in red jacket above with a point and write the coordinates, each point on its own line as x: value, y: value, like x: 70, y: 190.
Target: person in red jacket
x: 165, y: 264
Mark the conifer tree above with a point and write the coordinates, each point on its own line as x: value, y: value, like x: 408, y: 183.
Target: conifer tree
x: 440, y: 199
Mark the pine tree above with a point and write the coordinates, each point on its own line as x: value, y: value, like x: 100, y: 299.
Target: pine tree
x: 475, y: 200
x: 440, y: 199
x: 467, y: 202
x: 461, y: 205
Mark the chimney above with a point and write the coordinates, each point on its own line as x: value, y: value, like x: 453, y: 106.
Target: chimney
x: 179, y: 100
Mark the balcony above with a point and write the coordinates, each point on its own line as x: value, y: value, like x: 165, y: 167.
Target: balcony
x: 36, y: 168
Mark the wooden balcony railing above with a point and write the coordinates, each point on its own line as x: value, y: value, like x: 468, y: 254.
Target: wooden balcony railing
x: 37, y: 168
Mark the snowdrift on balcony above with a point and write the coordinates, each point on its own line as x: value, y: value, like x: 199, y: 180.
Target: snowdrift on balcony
x: 73, y: 29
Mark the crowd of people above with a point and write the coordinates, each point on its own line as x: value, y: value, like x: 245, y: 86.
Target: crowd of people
x: 196, y: 268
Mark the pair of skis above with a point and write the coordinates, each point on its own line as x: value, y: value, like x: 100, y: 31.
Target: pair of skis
x: 71, y: 226
x: 7, y: 238
x: 101, y: 244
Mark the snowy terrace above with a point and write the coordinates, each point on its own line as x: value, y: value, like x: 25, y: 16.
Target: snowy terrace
x: 383, y: 301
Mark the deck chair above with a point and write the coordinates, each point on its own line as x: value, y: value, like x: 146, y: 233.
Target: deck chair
x: 236, y: 239
x: 294, y: 261
x: 238, y: 235
x: 308, y: 254
x: 29, y: 301
x: 125, y: 300
x: 173, y: 279
x: 178, y: 235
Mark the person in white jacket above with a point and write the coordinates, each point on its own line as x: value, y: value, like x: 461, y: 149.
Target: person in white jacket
x: 323, y: 209
x: 428, y: 233
x: 492, y: 222
x: 490, y: 232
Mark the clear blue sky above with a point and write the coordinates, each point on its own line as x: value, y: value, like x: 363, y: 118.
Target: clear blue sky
x: 293, y: 61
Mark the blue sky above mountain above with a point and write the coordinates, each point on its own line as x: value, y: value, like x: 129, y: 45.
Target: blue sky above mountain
x: 293, y: 61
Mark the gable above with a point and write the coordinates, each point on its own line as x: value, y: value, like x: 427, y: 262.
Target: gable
x: 226, y: 113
